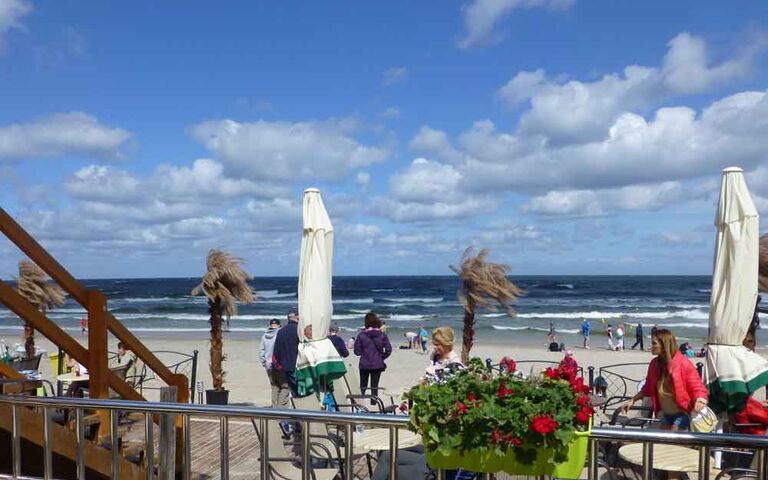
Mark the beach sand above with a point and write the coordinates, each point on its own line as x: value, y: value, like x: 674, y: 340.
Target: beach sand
x: 247, y: 380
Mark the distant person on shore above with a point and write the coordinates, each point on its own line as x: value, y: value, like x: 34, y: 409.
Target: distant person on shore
x: 609, y: 334
x: 83, y: 324
x: 413, y: 339
x: 654, y: 331
x: 638, y: 336
x: 284, y: 355
x: 551, y: 334
x: 277, y: 381
x: 338, y: 342
x: 443, y: 353
x: 373, y: 347
x: 585, y: 327
x: 620, y: 337
x: 384, y: 326
x: 423, y: 338
x: 672, y: 383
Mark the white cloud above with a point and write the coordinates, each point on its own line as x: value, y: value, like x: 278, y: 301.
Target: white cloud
x: 588, y: 202
x: 482, y: 16
x: 391, y: 112
x: 363, y: 179
x: 11, y: 13
x: 287, y: 151
x: 431, y: 141
x: 579, y: 112
x: 429, y: 190
x: 74, y: 133
x: 677, y: 143
x: 394, y: 75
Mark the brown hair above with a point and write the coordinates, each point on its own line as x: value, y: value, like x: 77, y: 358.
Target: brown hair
x: 667, y: 352
x: 443, y: 336
x: 372, y: 320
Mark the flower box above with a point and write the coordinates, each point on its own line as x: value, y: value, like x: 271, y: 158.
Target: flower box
x: 485, y: 421
x: 490, y: 462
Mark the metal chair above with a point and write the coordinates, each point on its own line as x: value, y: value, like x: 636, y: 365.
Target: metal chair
x: 27, y: 363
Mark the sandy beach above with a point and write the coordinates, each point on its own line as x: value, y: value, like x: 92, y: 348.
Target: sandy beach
x: 247, y: 380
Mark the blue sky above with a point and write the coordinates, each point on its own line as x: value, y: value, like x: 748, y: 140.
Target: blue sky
x: 568, y: 136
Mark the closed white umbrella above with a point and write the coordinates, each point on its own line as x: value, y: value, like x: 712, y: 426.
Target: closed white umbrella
x: 318, y: 362
x: 733, y: 372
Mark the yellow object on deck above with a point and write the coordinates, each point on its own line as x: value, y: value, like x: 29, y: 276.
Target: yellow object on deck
x: 55, y: 364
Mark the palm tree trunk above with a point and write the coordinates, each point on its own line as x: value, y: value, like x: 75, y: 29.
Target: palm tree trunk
x: 469, y: 331
x: 217, y: 346
x: 29, y: 340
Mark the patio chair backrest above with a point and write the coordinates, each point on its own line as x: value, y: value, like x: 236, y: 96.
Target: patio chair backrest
x: 28, y: 363
x: 281, y: 469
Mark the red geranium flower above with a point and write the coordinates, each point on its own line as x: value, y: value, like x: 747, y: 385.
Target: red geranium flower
x: 583, y: 415
x: 496, y: 435
x: 461, y: 407
x: 512, y: 440
x: 504, y: 391
x: 508, y: 364
x: 584, y: 400
x: 471, y: 398
x: 551, y: 373
x: 543, y: 424
x: 403, y: 407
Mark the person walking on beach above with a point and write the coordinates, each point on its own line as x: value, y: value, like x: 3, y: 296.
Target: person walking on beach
x: 83, y: 325
x: 619, y: 337
x: 413, y: 339
x: 277, y: 381
x: 609, y: 333
x: 672, y: 383
x: 284, y: 355
x: 638, y: 336
x: 654, y: 331
x: 423, y: 339
x: 551, y: 334
x: 373, y: 347
x: 585, y: 327
x: 338, y: 342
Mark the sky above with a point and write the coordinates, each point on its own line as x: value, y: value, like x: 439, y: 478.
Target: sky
x: 566, y: 136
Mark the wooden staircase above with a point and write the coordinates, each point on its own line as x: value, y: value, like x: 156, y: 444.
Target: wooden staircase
x: 100, y: 323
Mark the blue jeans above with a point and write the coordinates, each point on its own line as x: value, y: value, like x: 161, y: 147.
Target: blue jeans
x: 680, y: 420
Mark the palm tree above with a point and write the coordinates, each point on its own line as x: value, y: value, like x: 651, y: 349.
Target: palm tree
x: 224, y: 283
x: 762, y: 279
x: 34, y: 285
x: 483, y: 285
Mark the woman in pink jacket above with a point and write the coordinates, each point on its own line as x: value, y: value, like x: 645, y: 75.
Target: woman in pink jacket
x: 672, y: 383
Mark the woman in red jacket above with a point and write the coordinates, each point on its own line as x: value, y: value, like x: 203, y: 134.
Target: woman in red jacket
x: 672, y: 383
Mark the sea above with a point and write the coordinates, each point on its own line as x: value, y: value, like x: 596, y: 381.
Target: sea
x: 163, y: 306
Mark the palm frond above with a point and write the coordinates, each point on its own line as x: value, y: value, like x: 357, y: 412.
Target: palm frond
x: 225, y: 282
x: 35, y: 285
x: 762, y: 279
x: 485, y: 284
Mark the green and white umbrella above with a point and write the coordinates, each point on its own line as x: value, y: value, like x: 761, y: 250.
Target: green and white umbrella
x: 733, y: 372
x: 318, y: 362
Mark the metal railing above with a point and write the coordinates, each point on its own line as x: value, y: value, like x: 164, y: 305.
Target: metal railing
x: 304, y: 417
x: 648, y: 438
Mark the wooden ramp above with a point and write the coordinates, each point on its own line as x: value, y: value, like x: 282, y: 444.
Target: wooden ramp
x: 64, y: 446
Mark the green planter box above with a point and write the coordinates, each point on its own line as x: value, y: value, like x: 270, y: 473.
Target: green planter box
x: 490, y: 462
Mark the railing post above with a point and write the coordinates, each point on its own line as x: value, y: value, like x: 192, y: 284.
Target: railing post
x: 167, y: 436
x: 306, y: 468
x: 349, y: 449
x: 592, y: 471
x: 393, y: 453
x: 193, y: 376
x: 591, y: 371
x: 647, y: 461
x: 149, y: 440
x: 16, y: 441
x: 700, y: 369
x: 264, y: 461
x: 704, y: 463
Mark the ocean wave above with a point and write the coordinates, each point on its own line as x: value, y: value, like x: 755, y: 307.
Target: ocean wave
x: 143, y: 299
x: 686, y: 325
x: 273, y: 294
x: 535, y: 329
x: 704, y: 290
x: 493, y: 315
x: 692, y: 314
x: 569, y: 286
x: 415, y: 299
x: 407, y: 318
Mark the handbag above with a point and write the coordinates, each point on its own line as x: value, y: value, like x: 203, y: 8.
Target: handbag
x: 703, y: 421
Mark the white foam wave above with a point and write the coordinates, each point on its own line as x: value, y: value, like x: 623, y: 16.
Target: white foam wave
x: 407, y: 318
x: 691, y: 314
x: 143, y: 299
x: 415, y: 299
x: 273, y: 294
x: 704, y: 290
x: 493, y: 315
x: 569, y: 286
x: 535, y: 329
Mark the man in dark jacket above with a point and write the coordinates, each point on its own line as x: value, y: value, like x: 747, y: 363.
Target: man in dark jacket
x: 338, y: 342
x: 638, y: 336
x: 285, y: 351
